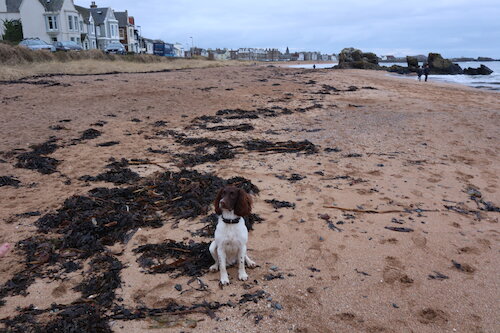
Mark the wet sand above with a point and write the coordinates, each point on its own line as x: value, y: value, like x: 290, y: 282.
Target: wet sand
x: 400, y: 151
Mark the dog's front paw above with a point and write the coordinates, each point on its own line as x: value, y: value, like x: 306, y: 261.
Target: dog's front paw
x: 243, y: 276
x: 214, y: 268
x: 251, y: 263
x: 224, y: 281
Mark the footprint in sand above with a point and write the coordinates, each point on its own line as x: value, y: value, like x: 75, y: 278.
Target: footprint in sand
x: 469, y: 250
x: 59, y: 291
x: 432, y: 316
x: 394, y: 271
x: 419, y: 240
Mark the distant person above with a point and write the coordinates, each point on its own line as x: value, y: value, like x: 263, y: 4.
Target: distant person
x: 314, y: 66
x: 426, y: 71
x: 420, y: 71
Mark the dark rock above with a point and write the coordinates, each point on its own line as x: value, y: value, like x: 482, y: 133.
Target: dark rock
x: 483, y: 70
x: 398, y: 69
x: 412, y: 63
x: 439, y: 65
x: 354, y: 58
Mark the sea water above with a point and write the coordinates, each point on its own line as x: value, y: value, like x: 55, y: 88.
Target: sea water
x: 491, y: 82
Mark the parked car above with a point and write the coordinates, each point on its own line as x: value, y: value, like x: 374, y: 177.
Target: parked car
x: 116, y: 48
x: 67, y: 46
x: 37, y: 44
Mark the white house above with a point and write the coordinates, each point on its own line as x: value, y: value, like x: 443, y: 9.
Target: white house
x: 48, y: 20
x: 9, y: 10
x: 179, y: 50
x: 146, y: 45
x: 106, y: 26
x: 87, y: 28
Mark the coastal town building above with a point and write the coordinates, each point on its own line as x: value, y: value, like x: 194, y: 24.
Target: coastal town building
x: 179, y: 50
x: 97, y: 27
x: 146, y: 45
x: 51, y: 21
x: 106, y: 25
x: 128, y: 33
x: 87, y: 33
x: 9, y: 11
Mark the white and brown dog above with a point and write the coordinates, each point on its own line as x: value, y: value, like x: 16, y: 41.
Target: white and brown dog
x: 231, y: 234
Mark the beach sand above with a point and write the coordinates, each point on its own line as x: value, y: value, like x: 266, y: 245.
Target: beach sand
x: 404, y: 151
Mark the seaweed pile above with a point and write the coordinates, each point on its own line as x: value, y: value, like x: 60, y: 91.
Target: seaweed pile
x: 281, y: 147
x: 90, y: 134
x: 9, y: 181
x: 37, y: 159
x: 102, y: 280
x: 193, y: 259
x: 206, y: 150
x: 118, y: 173
x: 244, y: 127
x: 79, y: 231
x: 78, y: 317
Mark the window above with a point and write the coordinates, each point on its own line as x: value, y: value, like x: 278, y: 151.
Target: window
x: 81, y: 26
x: 72, y: 39
x: 98, y: 30
x: 54, y: 39
x: 52, y: 22
x: 75, y: 19
x: 70, y: 22
x: 78, y: 40
x: 122, y: 33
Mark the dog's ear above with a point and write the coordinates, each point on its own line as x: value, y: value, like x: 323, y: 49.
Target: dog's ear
x: 243, y: 206
x: 218, y: 211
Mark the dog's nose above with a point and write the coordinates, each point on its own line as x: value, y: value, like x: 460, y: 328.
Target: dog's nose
x: 222, y: 203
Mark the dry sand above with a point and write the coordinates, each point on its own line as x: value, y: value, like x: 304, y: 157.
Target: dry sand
x: 421, y: 145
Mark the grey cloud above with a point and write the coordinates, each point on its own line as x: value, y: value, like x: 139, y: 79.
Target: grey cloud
x: 453, y: 28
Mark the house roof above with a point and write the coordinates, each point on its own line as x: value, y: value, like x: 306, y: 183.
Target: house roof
x: 99, y: 14
x: 13, y: 5
x: 52, y: 5
x: 122, y: 18
x: 85, y: 12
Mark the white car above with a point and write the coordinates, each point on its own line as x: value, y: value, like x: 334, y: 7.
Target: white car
x: 37, y: 44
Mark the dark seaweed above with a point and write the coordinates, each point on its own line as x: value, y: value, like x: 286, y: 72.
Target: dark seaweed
x: 9, y: 181
x: 189, y: 259
x: 280, y: 204
x: 281, y: 147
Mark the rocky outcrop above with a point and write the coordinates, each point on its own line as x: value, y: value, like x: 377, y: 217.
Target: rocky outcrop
x: 398, y: 69
x: 483, y: 70
x: 412, y: 63
x: 439, y: 65
x: 354, y: 58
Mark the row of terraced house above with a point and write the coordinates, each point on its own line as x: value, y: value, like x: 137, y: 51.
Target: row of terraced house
x: 62, y: 20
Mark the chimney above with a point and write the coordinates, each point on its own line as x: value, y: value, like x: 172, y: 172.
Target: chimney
x: 93, y: 5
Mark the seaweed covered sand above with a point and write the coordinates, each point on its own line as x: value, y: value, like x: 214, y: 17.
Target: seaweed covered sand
x: 376, y: 209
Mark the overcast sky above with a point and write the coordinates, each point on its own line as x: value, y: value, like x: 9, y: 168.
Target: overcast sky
x: 451, y: 27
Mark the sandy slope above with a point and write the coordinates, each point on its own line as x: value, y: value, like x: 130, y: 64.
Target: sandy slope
x: 421, y: 145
